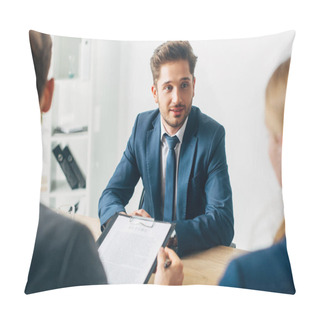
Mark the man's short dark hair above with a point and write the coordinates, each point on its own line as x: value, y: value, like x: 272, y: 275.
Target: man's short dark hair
x: 172, y: 51
x: 41, y: 45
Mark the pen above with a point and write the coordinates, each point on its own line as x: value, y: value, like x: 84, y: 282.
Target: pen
x: 167, y: 264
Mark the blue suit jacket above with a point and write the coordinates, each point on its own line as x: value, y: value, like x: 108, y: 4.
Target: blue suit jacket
x: 268, y: 270
x: 204, y: 198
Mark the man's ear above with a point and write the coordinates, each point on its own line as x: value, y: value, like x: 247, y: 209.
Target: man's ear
x: 154, y: 93
x: 46, y: 99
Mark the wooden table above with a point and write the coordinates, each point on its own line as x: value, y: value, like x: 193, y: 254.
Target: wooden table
x: 205, y: 267
x: 208, y: 266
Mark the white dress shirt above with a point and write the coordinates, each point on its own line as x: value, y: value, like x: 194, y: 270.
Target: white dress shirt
x: 164, y: 154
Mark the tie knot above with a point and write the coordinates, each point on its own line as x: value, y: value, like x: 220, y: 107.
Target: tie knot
x: 172, y: 141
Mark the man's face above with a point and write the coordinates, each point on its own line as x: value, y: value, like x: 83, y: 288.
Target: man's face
x: 173, y: 93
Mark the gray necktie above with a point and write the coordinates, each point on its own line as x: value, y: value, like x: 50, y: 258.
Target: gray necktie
x: 170, y: 179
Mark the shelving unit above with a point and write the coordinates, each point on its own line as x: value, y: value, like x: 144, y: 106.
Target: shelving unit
x: 71, y: 109
x: 90, y: 81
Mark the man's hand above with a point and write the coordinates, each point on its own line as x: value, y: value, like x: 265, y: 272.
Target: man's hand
x: 140, y: 213
x: 172, y: 275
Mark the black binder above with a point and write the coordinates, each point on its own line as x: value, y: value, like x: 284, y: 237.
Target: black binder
x: 65, y: 166
x: 74, y: 167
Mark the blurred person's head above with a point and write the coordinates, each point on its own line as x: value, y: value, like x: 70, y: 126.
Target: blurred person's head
x: 274, y: 114
x: 41, y: 45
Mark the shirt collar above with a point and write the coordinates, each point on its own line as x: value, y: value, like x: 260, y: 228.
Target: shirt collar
x: 179, y: 134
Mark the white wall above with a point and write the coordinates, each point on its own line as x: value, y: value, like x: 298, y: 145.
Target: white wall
x: 105, y: 117
x: 231, y: 77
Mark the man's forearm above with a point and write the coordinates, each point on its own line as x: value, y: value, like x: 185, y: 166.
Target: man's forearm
x: 203, y: 232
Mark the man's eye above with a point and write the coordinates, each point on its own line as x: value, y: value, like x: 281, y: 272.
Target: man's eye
x: 168, y: 88
x: 184, y: 85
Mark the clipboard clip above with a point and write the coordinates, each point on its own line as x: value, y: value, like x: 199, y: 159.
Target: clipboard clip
x: 146, y: 222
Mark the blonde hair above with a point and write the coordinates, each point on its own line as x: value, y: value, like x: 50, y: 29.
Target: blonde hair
x: 280, y: 232
x: 274, y: 112
x: 275, y: 98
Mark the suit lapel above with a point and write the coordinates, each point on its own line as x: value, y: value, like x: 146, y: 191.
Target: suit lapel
x: 153, y: 166
x: 187, y: 152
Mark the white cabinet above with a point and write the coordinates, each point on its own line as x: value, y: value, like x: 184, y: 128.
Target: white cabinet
x: 68, y: 123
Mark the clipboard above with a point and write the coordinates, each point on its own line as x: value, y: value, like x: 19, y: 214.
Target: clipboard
x: 129, y: 245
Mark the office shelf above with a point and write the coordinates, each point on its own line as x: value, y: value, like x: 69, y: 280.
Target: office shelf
x: 70, y: 111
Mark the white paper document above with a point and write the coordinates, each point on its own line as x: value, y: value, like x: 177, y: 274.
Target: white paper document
x: 130, y: 248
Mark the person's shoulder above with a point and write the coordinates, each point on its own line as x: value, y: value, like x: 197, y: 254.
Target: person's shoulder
x: 275, y: 256
x: 267, y: 269
x: 49, y: 217
x: 207, y: 126
x: 257, y: 255
x: 204, y: 119
x: 149, y: 115
x: 52, y: 223
x: 146, y: 120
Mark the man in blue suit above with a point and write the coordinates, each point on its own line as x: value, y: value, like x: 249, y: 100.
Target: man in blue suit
x: 200, y: 190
